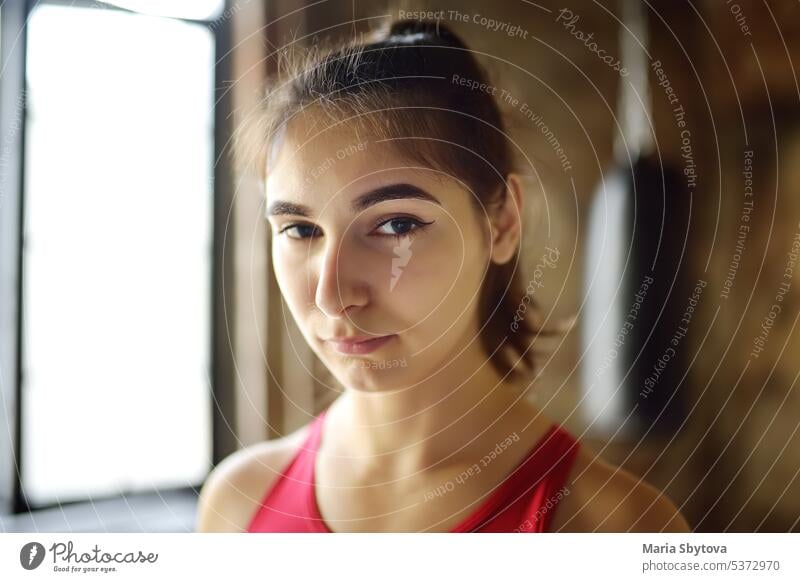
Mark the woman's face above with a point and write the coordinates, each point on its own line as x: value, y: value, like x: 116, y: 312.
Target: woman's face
x: 365, y: 243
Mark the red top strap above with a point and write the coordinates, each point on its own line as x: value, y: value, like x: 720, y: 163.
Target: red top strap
x: 524, y: 502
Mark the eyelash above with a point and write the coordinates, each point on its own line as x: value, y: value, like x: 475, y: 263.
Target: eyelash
x: 419, y: 226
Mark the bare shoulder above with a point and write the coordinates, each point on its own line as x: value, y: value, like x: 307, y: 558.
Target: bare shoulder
x: 606, y: 498
x: 234, y: 488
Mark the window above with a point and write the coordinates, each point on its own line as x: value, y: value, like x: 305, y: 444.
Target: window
x: 117, y: 253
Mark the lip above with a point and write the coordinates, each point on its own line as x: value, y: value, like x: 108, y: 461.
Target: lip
x: 359, y: 345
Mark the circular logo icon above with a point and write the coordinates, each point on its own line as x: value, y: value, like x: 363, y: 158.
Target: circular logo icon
x: 31, y: 555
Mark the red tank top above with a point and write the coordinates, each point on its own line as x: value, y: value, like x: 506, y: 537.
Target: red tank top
x: 524, y: 502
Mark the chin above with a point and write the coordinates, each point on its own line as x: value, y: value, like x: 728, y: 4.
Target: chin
x: 372, y: 375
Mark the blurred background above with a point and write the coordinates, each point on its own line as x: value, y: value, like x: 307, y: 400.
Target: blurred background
x: 143, y: 337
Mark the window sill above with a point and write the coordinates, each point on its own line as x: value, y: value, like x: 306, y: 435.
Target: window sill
x: 160, y: 512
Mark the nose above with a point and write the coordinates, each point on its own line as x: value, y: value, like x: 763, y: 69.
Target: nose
x: 340, y: 285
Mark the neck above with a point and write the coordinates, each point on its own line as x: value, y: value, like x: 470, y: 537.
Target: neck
x: 444, y: 419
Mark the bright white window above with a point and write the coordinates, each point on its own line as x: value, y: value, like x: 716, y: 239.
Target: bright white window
x: 117, y: 253
x: 190, y: 9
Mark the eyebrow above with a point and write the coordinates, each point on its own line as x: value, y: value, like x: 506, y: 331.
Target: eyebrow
x: 364, y: 201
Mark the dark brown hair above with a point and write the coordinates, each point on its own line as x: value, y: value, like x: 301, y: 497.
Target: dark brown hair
x: 402, y: 82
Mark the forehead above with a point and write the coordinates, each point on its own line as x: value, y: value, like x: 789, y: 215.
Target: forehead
x: 310, y: 147
x: 317, y: 156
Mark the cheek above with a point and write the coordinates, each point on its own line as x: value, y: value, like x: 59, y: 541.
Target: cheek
x: 291, y: 274
x: 438, y: 279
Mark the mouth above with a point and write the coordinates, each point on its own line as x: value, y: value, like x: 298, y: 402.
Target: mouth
x: 358, y: 346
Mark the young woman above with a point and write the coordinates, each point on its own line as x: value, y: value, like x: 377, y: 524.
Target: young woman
x: 395, y: 207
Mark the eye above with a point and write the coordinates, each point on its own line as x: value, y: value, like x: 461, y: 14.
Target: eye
x: 301, y: 228
x: 402, y: 226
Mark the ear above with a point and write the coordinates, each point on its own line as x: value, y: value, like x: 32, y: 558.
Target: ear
x: 506, y: 221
